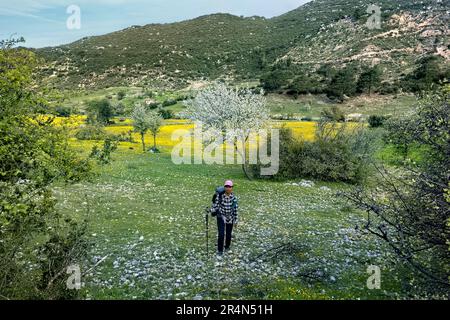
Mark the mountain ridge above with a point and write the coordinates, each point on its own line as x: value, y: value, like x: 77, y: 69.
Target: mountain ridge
x: 224, y: 46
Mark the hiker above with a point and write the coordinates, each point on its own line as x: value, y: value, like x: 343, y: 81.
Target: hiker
x: 225, y: 207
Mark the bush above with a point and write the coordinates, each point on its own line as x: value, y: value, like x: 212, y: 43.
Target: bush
x: 333, y: 114
x: 121, y: 95
x: 153, y: 105
x: 119, y: 109
x: 303, y: 84
x: 98, y: 133
x: 91, y: 133
x: 166, y: 114
x: 168, y: 103
x: 62, y: 111
x: 389, y: 88
x: 338, y: 153
x: 123, y: 137
x: 37, y: 241
x: 103, y: 155
x: 376, y: 121
x: 430, y: 71
x: 184, y: 98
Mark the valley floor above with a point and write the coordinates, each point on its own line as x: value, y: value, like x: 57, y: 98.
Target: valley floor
x: 147, y: 221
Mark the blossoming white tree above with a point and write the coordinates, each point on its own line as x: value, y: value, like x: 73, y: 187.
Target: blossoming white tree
x: 234, y: 113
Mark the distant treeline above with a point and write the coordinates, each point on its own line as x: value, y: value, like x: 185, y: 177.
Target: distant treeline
x: 353, y: 79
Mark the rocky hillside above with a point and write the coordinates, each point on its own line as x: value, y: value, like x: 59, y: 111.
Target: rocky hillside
x: 237, y: 48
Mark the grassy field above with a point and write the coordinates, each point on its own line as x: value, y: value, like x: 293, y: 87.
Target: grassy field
x: 311, y: 106
x: 147, y: 223
x: 147, y: 218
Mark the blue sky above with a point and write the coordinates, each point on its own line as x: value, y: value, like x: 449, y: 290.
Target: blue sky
x: 43, y: 22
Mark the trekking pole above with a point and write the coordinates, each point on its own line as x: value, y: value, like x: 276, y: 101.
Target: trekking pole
x: 207, y: 230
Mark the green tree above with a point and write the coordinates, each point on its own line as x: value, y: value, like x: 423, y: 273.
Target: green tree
x: 431, y: 70
x: 275, y: 80
x: 327, y: 72
x: 100, y: 112
x: 155, y: 122
x: 369, y: 80
x: 343, y: 84
x: 144, y: 121
x: 303, y: 84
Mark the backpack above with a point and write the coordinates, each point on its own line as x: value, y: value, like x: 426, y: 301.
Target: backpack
x: 219, y: 193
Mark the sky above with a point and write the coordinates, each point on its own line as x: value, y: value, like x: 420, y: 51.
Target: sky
x: 49, y: 22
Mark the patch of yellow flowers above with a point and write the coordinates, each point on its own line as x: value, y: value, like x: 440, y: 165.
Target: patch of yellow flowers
x: 300, y: 129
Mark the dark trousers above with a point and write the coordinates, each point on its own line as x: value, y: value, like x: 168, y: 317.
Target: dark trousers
x: 222, y: 228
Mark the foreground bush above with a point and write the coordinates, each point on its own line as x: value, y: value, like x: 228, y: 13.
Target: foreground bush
x: 37, y: 243
x: 411, y: 211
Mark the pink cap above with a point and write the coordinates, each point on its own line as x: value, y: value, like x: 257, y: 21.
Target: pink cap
x: 228, y: 183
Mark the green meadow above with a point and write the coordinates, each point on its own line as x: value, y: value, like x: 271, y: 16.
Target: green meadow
x: 148, y: 233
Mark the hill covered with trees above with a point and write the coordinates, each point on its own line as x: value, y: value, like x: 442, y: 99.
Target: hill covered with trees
x: 313, y: 44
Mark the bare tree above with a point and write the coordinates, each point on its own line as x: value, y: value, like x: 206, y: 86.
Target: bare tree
x: 410, y: 209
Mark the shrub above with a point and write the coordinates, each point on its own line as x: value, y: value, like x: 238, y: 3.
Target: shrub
x: 303, y: 84
x: 166, y: 114
x: 430, y: 71
x: 184, y: 97
x: 168, y: 103
x: 90, y: 133
x: 333, y: 114
x: 376, y: 121
x: 63, y: 111
x: 123, y: 137
x: 119, y: 109
x: 37, y: 241
x: 338, y: 153
x: 103, y: 155
x: 389, y: 88
x: 153, y: 105
x: 121, y: 94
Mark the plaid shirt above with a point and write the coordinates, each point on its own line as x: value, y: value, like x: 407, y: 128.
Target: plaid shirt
x: 228, y: 208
